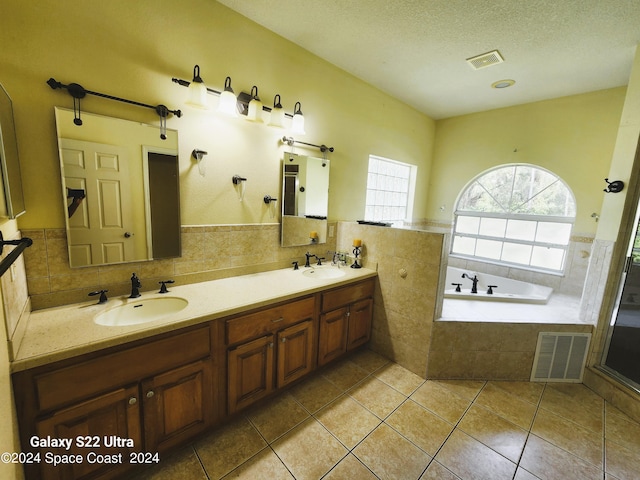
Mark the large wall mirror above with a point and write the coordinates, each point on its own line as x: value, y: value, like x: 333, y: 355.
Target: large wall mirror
x: 305, y: 199
x: 12, y: 203
x: 120, y: 188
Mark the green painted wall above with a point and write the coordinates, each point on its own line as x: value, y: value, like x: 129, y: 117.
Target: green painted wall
x: 133, y: 49
x: 574, y: 137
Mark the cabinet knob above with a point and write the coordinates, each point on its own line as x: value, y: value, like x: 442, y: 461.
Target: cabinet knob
x: 271, y: 345
x: 150, y: 394
x: 133, y: 401
x: 284, y: 339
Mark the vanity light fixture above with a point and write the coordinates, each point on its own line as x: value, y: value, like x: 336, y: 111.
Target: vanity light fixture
x: 242, y: 104
x: 197, y: 90
x: 255, y: 106
x: 228, y: 101
x: 297, y: 123
x: 277, y: 113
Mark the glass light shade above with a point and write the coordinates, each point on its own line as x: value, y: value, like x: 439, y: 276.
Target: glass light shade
x: 277, y: 113
x: 277, y: 117
x: 227, y: 104
x: 197, y: 90
x: 297, y: 123
x: 228, y: 101
x: 255, y: 110
x: 198, y: 95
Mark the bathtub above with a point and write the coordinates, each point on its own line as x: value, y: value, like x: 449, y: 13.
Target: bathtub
x: 505, y: 290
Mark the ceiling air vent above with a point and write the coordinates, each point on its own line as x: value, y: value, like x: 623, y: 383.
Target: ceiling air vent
x: 485, y: 60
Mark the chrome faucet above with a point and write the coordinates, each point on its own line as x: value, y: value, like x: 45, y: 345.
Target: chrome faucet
x: 474, y: 288
x: 338, y: 258
x: 135, y: 285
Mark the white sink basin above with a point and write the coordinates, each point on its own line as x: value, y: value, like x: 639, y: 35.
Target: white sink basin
x: 322, y: 273
x: 142, y: 311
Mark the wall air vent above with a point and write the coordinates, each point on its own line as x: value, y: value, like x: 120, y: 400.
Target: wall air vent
x: 485, y: 60
x: 560, y: 357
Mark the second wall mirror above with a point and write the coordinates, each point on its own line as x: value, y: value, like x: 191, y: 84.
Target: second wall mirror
x: 305, y: 200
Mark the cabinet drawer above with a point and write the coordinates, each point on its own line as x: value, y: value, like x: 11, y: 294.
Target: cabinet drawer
x: 70, y: 384
x: 250, y: 326
x: 346, y: 295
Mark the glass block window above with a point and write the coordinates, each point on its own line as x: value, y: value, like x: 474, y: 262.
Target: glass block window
x: 390, y: 187
x: 516, y: 215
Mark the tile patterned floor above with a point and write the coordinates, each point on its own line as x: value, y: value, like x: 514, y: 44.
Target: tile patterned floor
x: 368, y: 418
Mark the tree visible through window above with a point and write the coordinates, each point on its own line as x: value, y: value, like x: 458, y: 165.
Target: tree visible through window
x: 515, y: 214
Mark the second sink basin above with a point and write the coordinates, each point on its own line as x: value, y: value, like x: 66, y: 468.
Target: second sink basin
x: 143, y: 311
x: 326, y: 272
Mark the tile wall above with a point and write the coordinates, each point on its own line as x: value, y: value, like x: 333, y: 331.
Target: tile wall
x: 496, y: 351
x: 409, y: 263
x: 208, y: 252
x: 404, y: 302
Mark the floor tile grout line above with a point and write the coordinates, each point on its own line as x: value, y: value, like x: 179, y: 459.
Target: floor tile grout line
x: 455, y: 427
x: 280, y: 459
x: 539, y: 408
x: 603, y: 412
x: 195, y: 451
x: 533, y: 420
x: 315, y: 418
x: 381, y: 421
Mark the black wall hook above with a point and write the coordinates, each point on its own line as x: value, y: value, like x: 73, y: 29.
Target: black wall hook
x: 614, y: 187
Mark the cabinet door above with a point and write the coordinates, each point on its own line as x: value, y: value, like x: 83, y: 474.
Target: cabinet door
x: 295, y: 352
x: 360, y: 316
x: 178, y: 404
x: 333, y: 335
x: 94, y: 422
x: 250, y: 372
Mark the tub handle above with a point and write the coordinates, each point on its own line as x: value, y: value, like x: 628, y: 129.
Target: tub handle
x: 457, y: 286
x: 491, y: 287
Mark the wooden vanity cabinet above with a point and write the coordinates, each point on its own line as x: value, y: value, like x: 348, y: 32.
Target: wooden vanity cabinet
x: 115, y: 413
x: 345, y: 321
x: 160, y: 392
x: 155, y: 395
x: 177, y: 405
x: 268, y: 349
x: 250, y: 373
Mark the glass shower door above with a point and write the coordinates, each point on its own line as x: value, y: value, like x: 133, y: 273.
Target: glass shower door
x: 622, y: 355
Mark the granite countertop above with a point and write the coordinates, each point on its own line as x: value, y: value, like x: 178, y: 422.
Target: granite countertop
x: 63, y: 332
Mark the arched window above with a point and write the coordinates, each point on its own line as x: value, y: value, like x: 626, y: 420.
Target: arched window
x: 516, y: 215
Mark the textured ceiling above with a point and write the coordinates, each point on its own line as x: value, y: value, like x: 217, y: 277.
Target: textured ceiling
x: 416, y: 50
